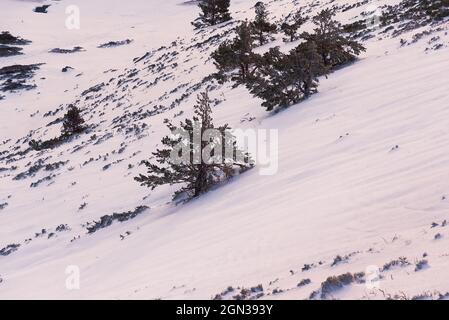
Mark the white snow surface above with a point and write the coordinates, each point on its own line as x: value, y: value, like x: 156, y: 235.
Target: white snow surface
x: 342, y: 188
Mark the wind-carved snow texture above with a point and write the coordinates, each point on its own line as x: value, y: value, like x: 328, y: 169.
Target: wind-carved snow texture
x: 358, y: 208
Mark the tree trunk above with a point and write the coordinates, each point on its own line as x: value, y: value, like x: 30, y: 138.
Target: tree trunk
x: 200, y: 181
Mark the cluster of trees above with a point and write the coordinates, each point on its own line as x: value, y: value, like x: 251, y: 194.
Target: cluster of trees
x: 282, y: 79
x: 279, y: 79
x: 197, y: 154
x: 214, y: 12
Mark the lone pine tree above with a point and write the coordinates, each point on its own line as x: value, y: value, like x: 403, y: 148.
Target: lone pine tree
x: 237, y: 54
x: 261, y: 27
x: 213, y: 12
x: 329, y: 37
x: 286, y: 79
x: 73, y: 123
x: 197, y: 163
x: 290, y: 28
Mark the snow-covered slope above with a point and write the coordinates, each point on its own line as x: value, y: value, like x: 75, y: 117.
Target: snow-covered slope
x: 362, y: 165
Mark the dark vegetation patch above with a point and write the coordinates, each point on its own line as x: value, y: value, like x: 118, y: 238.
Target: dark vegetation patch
x: 66, y: 51
x: 229, y: 290
x: 336, y: 283
x: 10, y: 248
x: 40, y: 181
x: 38, y: 166
x: 7, y: 38
x: 16, y: 77
x: 66, y: 69
x: 421, y: 264
x: 39, y: 145
x: 42, y: 9
x: 7, y: 51
x: 398, y: 263
x: 412, y: 14
x: 241, y: 293
x: 73, y: 124
x: 428, y: 295
x: 108, y: 220
x: 112, y: 44
x: 304, y: 282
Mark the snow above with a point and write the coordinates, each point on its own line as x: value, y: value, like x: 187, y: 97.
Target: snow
x: 342, y: 186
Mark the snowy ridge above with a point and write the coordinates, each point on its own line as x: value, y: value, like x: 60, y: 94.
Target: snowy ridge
x: 362, y: 175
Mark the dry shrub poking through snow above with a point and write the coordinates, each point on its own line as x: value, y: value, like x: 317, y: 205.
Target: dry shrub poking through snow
x: 335, y: 283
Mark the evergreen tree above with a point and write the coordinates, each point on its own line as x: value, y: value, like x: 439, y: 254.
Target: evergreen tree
x: 213, y: 12
x: 329, y: 37
x: 286, y: 79
x: 183, y: 160
x: 73, y: 123
x: 237, y: 54
x: 291, y: 28
x: 261, y: 26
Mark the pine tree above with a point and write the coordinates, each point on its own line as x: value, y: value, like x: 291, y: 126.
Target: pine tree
x: 261, y: 26
x: 329, y: 37
x: 73, y: 123
x: 197, y: 163
x: 213, y: 12
x: 286, y: 79
x: 237, y: 54
x: 291, y: 28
